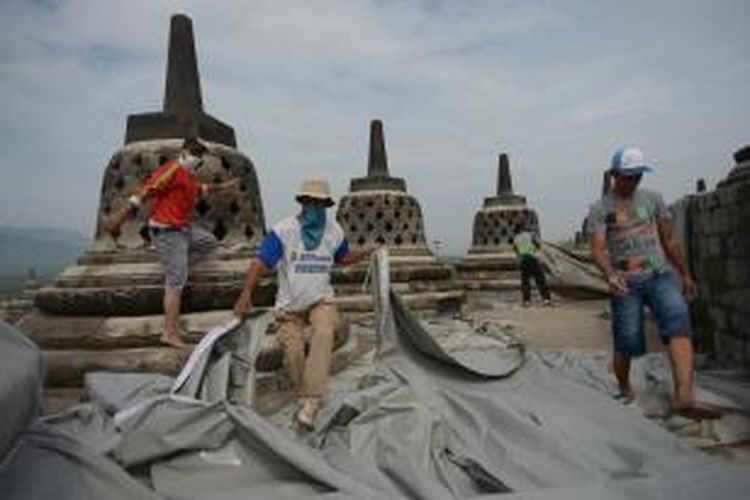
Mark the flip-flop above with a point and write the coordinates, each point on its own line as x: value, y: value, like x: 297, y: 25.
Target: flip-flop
x: 696, y: 412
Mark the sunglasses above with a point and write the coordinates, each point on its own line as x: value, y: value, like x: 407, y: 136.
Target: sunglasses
x: 630, y: 177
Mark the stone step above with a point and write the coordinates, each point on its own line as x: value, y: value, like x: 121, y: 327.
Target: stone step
x: 227, y: 272
x: 67, y: 367
x: 92, y: 332
x: 487, y: 275
x: 272, y: 389
x: 414, y: 301
x: 144, y: 299
x: 491, y: 284
x: 121, y: 332
x: 403, y: 288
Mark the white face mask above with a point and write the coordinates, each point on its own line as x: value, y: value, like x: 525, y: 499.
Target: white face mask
x: 190, y: 162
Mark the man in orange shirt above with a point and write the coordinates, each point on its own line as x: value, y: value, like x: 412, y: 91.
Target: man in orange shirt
x: 174, y: 189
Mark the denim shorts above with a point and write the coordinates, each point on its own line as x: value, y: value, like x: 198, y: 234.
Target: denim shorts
x: 661, y: 293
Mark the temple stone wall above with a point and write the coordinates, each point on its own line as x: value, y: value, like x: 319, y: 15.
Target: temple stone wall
x: 715, y: 227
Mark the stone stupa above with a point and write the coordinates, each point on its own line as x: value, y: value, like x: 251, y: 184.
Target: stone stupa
x: 105, y: 312
x: 123, y: 276
x: 491, y: 262
x: 501, y: 217
x: 378, y: 210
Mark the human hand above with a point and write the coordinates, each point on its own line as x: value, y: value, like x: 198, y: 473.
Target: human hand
x: 617, y: 284
x: 243, y: 305
x: 689, y: 288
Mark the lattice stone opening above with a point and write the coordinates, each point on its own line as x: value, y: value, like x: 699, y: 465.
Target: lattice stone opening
x: 496, y: 228
x: 235, y: 219
x: 383, y: 218
x: 202, y: 207
x: 234, y: 207
x: 220, y: 230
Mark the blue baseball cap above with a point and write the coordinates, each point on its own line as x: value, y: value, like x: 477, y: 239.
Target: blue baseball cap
x: 629, y: 161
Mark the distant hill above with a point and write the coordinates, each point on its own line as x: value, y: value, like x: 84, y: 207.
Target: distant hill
x: 45, y: 250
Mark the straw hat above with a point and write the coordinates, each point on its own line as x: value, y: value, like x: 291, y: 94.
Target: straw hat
x: 317, y: 189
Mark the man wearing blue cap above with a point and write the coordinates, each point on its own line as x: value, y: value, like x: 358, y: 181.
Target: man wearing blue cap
x: 632, y: 242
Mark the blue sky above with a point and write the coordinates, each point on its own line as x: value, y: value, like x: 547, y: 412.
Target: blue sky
x: 558, y: 85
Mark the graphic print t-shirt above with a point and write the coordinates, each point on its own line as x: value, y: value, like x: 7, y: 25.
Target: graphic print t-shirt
x: 631, y: 229
x: 303, y: 275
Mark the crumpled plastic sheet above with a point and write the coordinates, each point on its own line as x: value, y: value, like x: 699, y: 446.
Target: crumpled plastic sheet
x: 486, y: 421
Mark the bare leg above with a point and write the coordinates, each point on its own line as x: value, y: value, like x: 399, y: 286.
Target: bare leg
x: 621, y: 367
x: 681, y: 359
x: 171, y: 335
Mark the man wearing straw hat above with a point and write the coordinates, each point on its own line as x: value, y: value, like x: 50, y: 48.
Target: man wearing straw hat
x: 303, y: 248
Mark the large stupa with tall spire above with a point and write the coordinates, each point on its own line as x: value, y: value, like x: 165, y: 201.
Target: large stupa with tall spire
x: 104, y: 312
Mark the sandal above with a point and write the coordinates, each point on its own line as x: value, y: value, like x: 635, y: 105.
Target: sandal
x: 694, y: 411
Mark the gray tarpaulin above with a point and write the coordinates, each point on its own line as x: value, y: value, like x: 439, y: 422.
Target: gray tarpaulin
x: 571, y: 274
x: 424, y: 422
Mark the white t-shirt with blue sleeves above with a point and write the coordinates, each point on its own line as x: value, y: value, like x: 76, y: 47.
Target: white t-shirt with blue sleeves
x: 304, y: 276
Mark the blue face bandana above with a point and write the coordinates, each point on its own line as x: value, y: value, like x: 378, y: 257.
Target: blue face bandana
x: 312, y: 218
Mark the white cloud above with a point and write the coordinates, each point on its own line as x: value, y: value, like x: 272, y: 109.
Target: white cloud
x: 557, y: 85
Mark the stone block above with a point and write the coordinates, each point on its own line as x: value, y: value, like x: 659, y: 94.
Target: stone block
x: 743, y: 217
x: 722, y: 220
x: 714, y: 247
x: 743, y: 191
x: 715, y: 271
x: 738, y: 300
x: 718, y: 316
x: 738, y: 272
x: 733, y: 350
x: 739, y: 324
x: 66, y: 368
x: 738, y: 244
x: 712, y: 201
x: 727, y: 195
